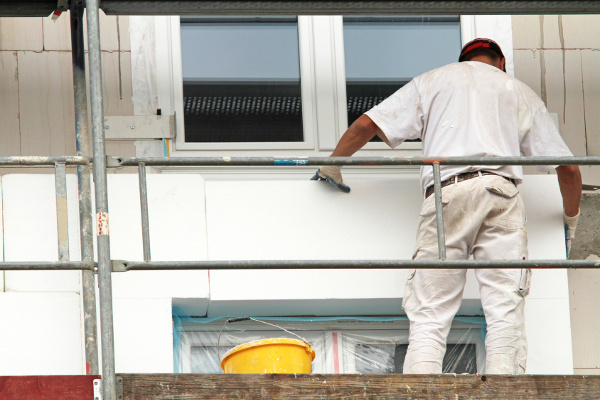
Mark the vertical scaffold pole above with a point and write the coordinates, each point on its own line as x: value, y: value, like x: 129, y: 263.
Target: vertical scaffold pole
x: 102, y: 221
x: 144, y: 208
x: 86, y: 232
x: 439, y: 213
x: 62, y: 214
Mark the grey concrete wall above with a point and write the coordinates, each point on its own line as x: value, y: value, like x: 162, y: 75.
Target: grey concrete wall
x: 584, y: 289
x: 558, y: 57
x: 36, y: 90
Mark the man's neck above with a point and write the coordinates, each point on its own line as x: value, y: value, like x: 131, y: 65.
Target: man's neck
x: 488, y: 60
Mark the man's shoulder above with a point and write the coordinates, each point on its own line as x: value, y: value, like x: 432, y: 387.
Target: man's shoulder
x: 456, y: 66
x: 528, y: 94
x: 432, y: 75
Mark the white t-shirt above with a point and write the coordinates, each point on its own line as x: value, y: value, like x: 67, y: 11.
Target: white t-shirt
x: 470, y: 109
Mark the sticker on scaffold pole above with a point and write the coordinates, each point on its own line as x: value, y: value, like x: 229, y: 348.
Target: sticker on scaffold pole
x: 102, y: 223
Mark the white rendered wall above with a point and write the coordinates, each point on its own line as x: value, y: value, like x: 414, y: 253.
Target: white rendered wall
x: 41, y: 334
x: 251, y: 220
x: 307, y: 220
x: 143, y: 335
x: 42, y: 322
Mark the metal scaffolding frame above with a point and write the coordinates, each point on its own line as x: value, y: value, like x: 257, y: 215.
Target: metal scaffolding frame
x: 42, y: 8
x: 105, y: 266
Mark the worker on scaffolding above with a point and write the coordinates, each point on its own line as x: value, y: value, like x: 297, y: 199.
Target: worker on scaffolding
x: 471, y: 108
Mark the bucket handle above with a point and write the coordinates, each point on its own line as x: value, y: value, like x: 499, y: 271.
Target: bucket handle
x: 231, y: 320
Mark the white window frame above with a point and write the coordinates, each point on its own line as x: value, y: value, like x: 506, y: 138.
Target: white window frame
x: 171, y: 28
x: 322, y: 83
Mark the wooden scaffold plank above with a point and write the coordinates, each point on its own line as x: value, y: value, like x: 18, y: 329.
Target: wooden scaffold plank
x: 368, y: 387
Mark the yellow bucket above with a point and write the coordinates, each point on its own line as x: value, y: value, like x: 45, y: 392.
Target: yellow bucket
x: 269, y: 356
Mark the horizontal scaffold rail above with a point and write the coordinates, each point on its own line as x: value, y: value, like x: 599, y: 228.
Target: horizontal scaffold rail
x: 123, y: 266
x: 47, y: 266
x: 42, y: 8
x: 41, y: 160
x: 153, y: 7
x: 364, y: 386
x: 116, y: 162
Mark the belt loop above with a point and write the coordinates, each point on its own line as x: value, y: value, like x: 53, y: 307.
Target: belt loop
x: 455, y: 178
x: 479, y: 173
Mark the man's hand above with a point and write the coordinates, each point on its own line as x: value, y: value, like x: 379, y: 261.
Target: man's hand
x: 570, y: 226
x: 333, y: 175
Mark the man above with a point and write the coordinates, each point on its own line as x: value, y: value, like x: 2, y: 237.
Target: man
x: 469, y: 108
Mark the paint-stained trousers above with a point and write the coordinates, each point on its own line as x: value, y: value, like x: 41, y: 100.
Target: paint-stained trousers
x: 483, y: 217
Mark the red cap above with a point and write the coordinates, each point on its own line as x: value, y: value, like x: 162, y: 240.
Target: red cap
x: 479, y: 43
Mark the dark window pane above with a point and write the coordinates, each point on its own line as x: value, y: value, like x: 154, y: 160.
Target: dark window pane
x: 235, y: 112
x: 460, y: 359
x: 374, y: 359
x: 389, y: 358
x: 241, y: 79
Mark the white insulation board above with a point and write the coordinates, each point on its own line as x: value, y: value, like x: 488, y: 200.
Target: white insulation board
x: 177, y: 232
x: 287, y: 220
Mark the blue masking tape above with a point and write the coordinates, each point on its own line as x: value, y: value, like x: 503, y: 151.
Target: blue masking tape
x: 291, y: 162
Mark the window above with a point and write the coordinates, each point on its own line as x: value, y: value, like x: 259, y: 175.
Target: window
x: 271, y: 83
x: 342, y: 65
x: 241, y: 79
x: 382, y: 54
x: 342, y: 346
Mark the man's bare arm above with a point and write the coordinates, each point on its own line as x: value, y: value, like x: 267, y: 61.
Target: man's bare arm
x: 357, y: 136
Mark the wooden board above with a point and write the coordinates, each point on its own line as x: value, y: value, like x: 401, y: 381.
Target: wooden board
x: 10, y: 136
x: 108, y: 32
x: 46, y: 104
x: 528, y: 69
x: 591, y: 82
x: 116, y: 81
x: 123, y: 24
x: 21, y: 34
x: 591, y: 99
x: 375, y: 387
x: 57, y: 32
x: 72, y: 387
x: 526, y: 32
x: 581, y: 31
x: 550, y: 31
x: 565, y: 96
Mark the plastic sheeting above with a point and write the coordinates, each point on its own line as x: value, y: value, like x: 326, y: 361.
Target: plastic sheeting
x: 352, y: 345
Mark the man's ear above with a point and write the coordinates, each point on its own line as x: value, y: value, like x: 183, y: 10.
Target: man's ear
x: 503, y: 63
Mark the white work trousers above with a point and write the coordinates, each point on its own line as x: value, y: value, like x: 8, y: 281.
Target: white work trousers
x: 483, y: 217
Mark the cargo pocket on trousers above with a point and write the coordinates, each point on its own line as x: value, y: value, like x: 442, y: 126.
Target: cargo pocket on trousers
x: 504, y: 189
x: 525, y: 282
x: 506, y: 211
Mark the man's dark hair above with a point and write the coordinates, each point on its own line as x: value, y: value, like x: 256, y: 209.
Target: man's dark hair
x: 481, y: 51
